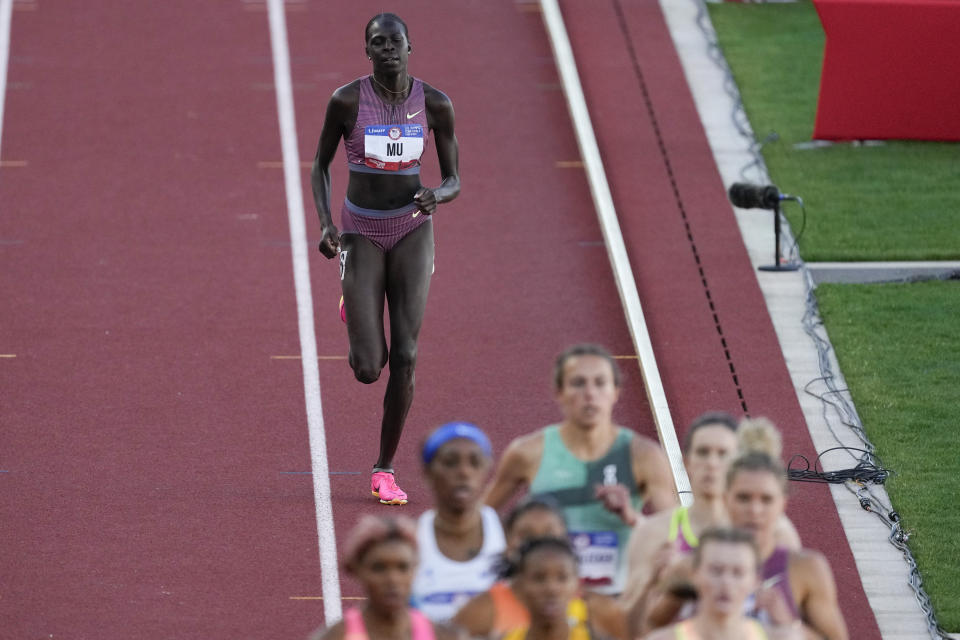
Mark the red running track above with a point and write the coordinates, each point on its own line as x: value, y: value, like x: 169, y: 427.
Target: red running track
x: 153, y: 446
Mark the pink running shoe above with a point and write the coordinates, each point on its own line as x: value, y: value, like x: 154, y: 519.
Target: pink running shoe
x: 383, y: 485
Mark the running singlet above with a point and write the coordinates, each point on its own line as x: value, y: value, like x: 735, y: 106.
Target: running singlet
x: 686, y: 631
x: 420, y: 627
x: 598, y: 536
x: 681, y: 533
x: 776, y: 574
x: 576, y: 618
x: 442, y: 585
x: 388, y: 138
x: 509, y: 613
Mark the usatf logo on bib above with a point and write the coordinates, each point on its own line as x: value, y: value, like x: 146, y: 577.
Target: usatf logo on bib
x: 393, y: 147
x: 598, y: 553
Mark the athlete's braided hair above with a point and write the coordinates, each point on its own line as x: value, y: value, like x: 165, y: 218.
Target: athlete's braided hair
x: 557, y: 545
x: 372, y: 530
x: 541, y: 502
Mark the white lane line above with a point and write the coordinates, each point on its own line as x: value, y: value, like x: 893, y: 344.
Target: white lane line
x: 6, y: 15
x: 329, y: 573
x: 603, y: 201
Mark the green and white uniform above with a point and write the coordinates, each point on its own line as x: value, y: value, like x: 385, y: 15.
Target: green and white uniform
x: 598, y: 536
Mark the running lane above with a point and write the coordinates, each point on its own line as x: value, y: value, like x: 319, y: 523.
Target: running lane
x: 521, y: 270
x: 708, y: 321
x: 147, y: 433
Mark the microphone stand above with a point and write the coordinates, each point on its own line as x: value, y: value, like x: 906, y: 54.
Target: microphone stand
x: 778, y: 265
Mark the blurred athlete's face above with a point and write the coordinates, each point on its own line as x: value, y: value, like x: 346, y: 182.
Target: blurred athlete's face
x: 710, y: 453
x: 547, y: 583
x: 755, y: 501
x: 726, y: 575
x: 536, y: 523
x: 388, y: 46
x: 386, y: 572
x: 588, y: 392
x: 457, y: 474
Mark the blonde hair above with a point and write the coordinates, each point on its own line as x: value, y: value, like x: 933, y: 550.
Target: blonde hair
x: 759, y: 435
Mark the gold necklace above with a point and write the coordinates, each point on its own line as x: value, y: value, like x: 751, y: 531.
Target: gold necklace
x: 396, y: 93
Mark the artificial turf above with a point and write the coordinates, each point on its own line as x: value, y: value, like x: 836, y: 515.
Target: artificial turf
x: 898, y: 348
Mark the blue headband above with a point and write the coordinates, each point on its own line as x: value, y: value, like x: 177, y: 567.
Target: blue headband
x: 451, y: 431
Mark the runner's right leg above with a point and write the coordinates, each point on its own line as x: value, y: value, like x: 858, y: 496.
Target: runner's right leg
x: 363, y: 279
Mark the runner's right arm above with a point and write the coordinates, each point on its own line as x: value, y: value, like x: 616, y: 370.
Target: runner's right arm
x: 517, y: 467
x: 340, y: 110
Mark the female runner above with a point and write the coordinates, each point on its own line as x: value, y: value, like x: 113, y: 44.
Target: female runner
x: 460, y: 539
x: 382, y: 554
x: 547, y: 582
x: 726, y: 567
x: 499, y: 609
x: 385, y: 243
x: 660, y: 546
x: 798, y: 584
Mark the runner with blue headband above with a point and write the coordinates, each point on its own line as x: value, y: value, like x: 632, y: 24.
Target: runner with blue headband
x: 453, y: 430
x: 460, y: 538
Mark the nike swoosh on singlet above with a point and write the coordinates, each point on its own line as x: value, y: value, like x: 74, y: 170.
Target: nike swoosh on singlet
x: 413, y: 115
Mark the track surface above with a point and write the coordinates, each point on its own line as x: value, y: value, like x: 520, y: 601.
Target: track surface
x: 154, y: 446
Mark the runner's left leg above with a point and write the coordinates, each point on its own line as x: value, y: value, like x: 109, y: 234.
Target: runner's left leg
x: 408, y: 270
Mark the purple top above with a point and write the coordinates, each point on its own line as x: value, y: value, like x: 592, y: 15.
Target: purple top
x: 777, y: 567
x: 776, y: 574
x: 388, y: 138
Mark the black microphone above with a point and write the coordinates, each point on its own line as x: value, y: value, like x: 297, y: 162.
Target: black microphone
x: 751, y: 196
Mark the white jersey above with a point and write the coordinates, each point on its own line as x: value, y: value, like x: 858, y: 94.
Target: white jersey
x: 442, y: 585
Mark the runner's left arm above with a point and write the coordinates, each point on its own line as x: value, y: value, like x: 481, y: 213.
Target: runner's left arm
x: 652, y: 471
x: 819, y: 606
x: 440, y: 119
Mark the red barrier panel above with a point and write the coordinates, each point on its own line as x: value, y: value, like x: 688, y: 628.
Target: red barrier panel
x: 890, y: 70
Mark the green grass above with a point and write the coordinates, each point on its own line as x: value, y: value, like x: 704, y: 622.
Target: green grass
x: 898, y: 201
x: 899, y: 350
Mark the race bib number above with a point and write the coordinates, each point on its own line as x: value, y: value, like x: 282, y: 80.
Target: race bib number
x: 599, y: 556
x: 393, y: 147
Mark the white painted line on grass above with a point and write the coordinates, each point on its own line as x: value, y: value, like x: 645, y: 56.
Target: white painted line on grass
x: 329, y: 573
x: 6, y: 15
x: 603, y: 201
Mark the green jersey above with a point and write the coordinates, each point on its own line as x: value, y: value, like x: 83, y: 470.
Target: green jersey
x: 598, y: 536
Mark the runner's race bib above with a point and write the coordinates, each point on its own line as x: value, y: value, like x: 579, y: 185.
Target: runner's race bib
x: 598, y: 554
x: 393, y: 147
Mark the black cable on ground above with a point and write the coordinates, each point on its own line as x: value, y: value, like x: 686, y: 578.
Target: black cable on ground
x: 868, y: 470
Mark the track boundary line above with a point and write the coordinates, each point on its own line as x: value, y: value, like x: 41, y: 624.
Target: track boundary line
x: 613, y: 238
x: 329, y: 572
x: 6, y: 17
